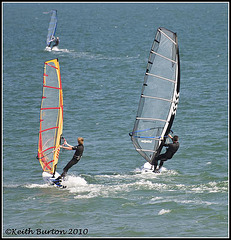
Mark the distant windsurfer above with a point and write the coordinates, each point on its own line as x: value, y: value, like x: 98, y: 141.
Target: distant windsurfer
x: 171, y: 150
x: 55, y: 41
x: 76, y: 157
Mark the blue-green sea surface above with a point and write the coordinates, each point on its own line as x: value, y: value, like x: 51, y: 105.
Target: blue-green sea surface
x: 103, y: 54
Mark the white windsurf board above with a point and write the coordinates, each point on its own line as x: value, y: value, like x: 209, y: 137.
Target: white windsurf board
x: 147, y: 167
x: 48, y: 178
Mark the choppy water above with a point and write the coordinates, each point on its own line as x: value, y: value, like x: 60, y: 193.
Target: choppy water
x: 103, y: 56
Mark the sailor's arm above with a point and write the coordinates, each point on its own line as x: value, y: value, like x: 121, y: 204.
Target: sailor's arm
x: 167, y: 144
x: 68, y: 148
x: 170, y: 136
x: 65, y: 142
x: 69, y: 145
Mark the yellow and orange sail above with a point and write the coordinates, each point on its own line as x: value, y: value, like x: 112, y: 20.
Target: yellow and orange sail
x: 51, y: 117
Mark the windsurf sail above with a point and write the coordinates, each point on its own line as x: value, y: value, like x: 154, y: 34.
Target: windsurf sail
x: 51, y: 117
x: 159, y: 96
x: 52, y: 27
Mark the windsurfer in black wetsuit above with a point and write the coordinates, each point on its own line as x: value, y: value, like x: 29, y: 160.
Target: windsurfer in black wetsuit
x: 76, y: 157
x: 56, y: 41
x: 171, y: 150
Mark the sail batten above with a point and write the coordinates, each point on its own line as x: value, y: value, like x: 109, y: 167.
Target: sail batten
x: 159, y: 96
x: 51, y: 117
x: 167, y: 36
x: 44, y: 130
x: 163, y: 56
x: 162, y: 99
x: 170, y: 80
x: 145, y: 150
x: 152, y: 119
x: 51, y: 86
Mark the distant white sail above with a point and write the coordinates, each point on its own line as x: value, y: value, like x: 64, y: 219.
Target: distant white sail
x: 52, y: 26
x: 159, y: 96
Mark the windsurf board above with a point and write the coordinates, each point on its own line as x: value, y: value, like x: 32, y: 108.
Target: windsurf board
x: 49, y: 178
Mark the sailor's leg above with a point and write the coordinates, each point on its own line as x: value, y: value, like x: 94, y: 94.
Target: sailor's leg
x: 162, y: 158
x: 155, y: 163
x: 64, y: 174
x: 161, y: 164
x: 69, y: 165
x: 66, y: 168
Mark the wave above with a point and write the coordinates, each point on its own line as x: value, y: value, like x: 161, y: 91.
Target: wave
x: 164, y: 211
x: 91, y: 55
x: 56, y: 49
x: 118, y: 185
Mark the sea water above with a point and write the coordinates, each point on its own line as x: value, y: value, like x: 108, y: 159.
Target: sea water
x: 103, y: 54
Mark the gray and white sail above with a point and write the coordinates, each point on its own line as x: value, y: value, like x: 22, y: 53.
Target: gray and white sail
x: 159, y: 96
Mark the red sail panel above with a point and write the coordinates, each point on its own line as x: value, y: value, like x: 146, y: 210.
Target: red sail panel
x: 51, y: 117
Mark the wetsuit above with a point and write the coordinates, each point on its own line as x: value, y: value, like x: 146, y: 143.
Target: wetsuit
x: 56, y: 43
x: 171, y: 150
x: 76, y: 157
x: 52, y: 41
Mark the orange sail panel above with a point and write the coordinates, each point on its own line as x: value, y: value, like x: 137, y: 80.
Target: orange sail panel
x: 51, y: 117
